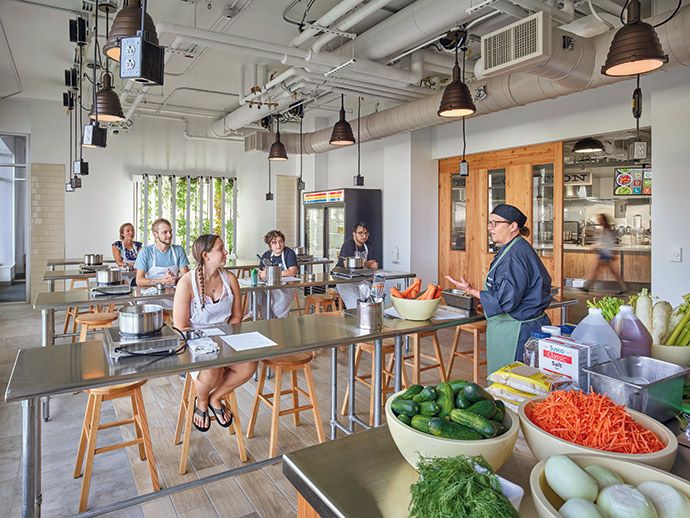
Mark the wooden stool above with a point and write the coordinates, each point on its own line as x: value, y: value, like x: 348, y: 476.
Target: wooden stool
x: 414, y: 360
x: 186, y: 415
x: 320, y: 303
x: 92, y: 424
x: 283, y: 365
x: 333, y: 293
x: 387, y: 371
x: 72, y: 312
x: 94, y: 321
x: 476, y: 328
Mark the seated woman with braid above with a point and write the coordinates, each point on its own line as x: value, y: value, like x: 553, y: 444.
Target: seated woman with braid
x: 207, y: 296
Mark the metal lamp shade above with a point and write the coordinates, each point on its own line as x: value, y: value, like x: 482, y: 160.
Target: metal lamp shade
x: 457, y: 99
x: 277, y: 151
x: 635, y: 49
x: 108, y: 103
x: 127, y: 22
x: 342, y: 131
x: 588, y: 145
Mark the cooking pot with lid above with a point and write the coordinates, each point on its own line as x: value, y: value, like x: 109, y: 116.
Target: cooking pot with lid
x: 140, y: 319
x: 93, y: 259
x: 353, y: 263
x: 109, y: 277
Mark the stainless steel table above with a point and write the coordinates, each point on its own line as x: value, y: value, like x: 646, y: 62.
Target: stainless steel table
x: 62, y: 369
x: 76, y: 261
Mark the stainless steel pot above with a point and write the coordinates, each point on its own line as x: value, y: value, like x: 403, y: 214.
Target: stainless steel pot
x: 273, y: 277
x: 300, y: 250
x: 109, y: 276
x: 353, y: 263
x: 140, y: 320
x: 93, y: 259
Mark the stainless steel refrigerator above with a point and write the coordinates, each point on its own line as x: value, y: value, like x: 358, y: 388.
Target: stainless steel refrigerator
x: 329, y: 216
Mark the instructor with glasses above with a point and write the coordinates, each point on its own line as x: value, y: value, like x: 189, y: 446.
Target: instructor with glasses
x: 516, y: 292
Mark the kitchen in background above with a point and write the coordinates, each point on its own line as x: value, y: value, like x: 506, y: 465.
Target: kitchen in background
x: 615, y: 181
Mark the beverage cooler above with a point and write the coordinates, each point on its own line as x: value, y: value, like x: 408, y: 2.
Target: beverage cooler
x: 329, y: 216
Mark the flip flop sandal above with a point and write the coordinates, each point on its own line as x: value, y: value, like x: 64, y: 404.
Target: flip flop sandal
x: 222, y: 411
x: 204, y: 415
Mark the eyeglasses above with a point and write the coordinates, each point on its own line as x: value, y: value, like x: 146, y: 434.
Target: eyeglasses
x: 493, y: 222
x: 362, y: 233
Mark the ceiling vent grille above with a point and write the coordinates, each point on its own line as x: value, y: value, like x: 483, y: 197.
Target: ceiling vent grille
x: 258, y: 141
x: 516, y: 45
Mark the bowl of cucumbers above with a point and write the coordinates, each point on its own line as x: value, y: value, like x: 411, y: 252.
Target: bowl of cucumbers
x: 449, y: 419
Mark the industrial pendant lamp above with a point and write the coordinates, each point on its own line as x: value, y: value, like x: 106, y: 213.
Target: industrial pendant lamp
x: 277, y: 151
x: 127, y: 22
x: 342, y: 131
x: 635, y: 48
x: 588, y: 145
x: 457, y: 99
x: 94, y: 135
x: 107, y: 103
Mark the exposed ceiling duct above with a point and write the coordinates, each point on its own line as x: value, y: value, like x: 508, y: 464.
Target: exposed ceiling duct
x: 562, y: 73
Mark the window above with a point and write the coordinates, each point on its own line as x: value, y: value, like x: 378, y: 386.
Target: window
x: 194, y: 206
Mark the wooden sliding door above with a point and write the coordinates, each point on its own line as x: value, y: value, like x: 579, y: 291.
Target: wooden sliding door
x: 531, y: 178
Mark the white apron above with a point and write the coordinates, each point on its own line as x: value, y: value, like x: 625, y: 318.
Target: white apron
x: 211, y: 313
x: 349, y: 293
x: 281, y: 299
x: 158, y: 272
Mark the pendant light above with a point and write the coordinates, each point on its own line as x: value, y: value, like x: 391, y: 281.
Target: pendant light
x: 635, y: 48
x: 277, y: 151
x: 588, y: 145
x: 107, y: 103
x: 94, y: 135
x: 457, y: 99
x: 358, y: 181
x: 127, y: 23
x: 342, y: 131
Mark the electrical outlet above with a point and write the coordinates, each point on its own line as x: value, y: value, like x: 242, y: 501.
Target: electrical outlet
x: 676, y: 254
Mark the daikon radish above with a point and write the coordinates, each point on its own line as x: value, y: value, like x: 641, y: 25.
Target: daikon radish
x: 568, y: 480
x: 604, y: 476
x: 581, y: 508
x: 661, y: 315
x: 643, y: 309
x: 667, y: 500
x: 625, y: 501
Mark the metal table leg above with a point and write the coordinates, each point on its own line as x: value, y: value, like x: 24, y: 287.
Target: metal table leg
x: 398, y: 363
x: 47, y: 340
x: 51, y: 286
x: 351, y: 383
x: 334, y: 391
x: 564, y: 315
x: 267, y: 312
x: 31, y: 459
x: 378, y: 363
x: 254, y: 305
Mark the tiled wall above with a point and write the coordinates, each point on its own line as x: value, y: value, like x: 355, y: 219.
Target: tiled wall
x: 47, y: 221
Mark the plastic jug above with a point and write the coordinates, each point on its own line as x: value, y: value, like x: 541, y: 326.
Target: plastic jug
x: 594, y: 329
x: 635, y: 339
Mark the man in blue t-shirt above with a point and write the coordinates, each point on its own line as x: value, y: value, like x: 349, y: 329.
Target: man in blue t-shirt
x: 161, y: 262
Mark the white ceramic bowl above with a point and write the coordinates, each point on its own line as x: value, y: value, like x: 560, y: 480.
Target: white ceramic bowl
x: 412, y: 443
x: 412, y: 309
x: 544, y: 445
x: 678, y: 354
x: 547, y: 502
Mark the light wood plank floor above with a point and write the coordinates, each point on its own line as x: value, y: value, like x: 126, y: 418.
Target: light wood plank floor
x: 117, y: 475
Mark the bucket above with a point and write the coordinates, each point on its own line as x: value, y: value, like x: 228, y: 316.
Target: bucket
x: 273, y: 276
x: 370, y: 315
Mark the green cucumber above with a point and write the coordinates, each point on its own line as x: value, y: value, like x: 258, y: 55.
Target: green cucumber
x: 450, y: 430
x: 500, y: 427
x: 500, y: 410
x: 428, y: 394
x: 462, y: 402
x: 484, y: 408
x: 405, y: 419
x: 474, y: 393
x: 476, y: 422
x: 458, y: 385
x: 445, y: 399
x: 429, y: 408
x: 421, y: 423
x: 403, y: 406
x: 411, y: 391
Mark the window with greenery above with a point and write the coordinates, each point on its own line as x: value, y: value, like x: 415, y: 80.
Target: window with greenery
x: 194, y: 206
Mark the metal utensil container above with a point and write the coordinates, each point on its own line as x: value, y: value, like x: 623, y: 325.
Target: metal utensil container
x: 140, y: 320
x: 458, y: 299
x: 648, y: 385
x: 273, y: 277
x: 93, y: 259
x: 370, y: 315
x: 300, y: 250
x: 353, y: 263
x: 109, y: 277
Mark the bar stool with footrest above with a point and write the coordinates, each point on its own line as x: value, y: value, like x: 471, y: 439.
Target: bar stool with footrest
x: 94, y: 322
x: 283, y: 365
x: 476, y: 328
x: 183, y: 430
x: 320, y: 302
x: 92, y: 424
x: 414, y: 360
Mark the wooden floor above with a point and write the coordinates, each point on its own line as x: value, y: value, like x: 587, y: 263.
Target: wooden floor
x: 262, y: 493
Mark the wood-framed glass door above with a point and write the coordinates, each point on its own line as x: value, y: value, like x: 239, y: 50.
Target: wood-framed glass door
x: 529, y: 177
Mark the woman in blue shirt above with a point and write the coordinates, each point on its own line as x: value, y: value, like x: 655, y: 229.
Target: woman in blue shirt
x: 517, y: 289
x: 125, y: 250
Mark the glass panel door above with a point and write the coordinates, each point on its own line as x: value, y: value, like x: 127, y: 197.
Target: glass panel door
x: 542, y: 209
x: 314, y: 228
x: 458, y: 212
x: 336, y: 231
x: 496, y: 194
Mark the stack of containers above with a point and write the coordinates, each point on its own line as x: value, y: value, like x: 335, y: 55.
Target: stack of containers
x: 517, y: 382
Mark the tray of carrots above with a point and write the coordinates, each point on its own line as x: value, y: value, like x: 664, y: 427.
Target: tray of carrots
x: 414, y: 292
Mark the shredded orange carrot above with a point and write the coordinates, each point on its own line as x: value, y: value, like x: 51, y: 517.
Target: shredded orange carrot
x: 594, y: 421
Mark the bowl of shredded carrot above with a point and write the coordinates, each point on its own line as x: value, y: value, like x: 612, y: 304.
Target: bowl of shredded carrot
x: 567, y: 422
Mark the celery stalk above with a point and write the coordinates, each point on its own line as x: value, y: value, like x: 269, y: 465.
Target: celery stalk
x: 679, y: 328
x: 685, y: 336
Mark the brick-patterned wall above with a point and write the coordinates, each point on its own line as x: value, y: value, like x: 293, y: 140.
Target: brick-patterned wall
x: 47, y: 221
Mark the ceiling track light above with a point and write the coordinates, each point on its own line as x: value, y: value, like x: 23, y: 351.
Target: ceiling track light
x: 457, y: 99
x: 358, y: 181
x: 277, y: 151
x: 126, y: 24
x: 635, y: 48
x: 342, y: 131
x: 588, y: 145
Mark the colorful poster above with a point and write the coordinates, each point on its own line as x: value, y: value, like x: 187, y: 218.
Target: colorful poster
x: 632, y: 182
